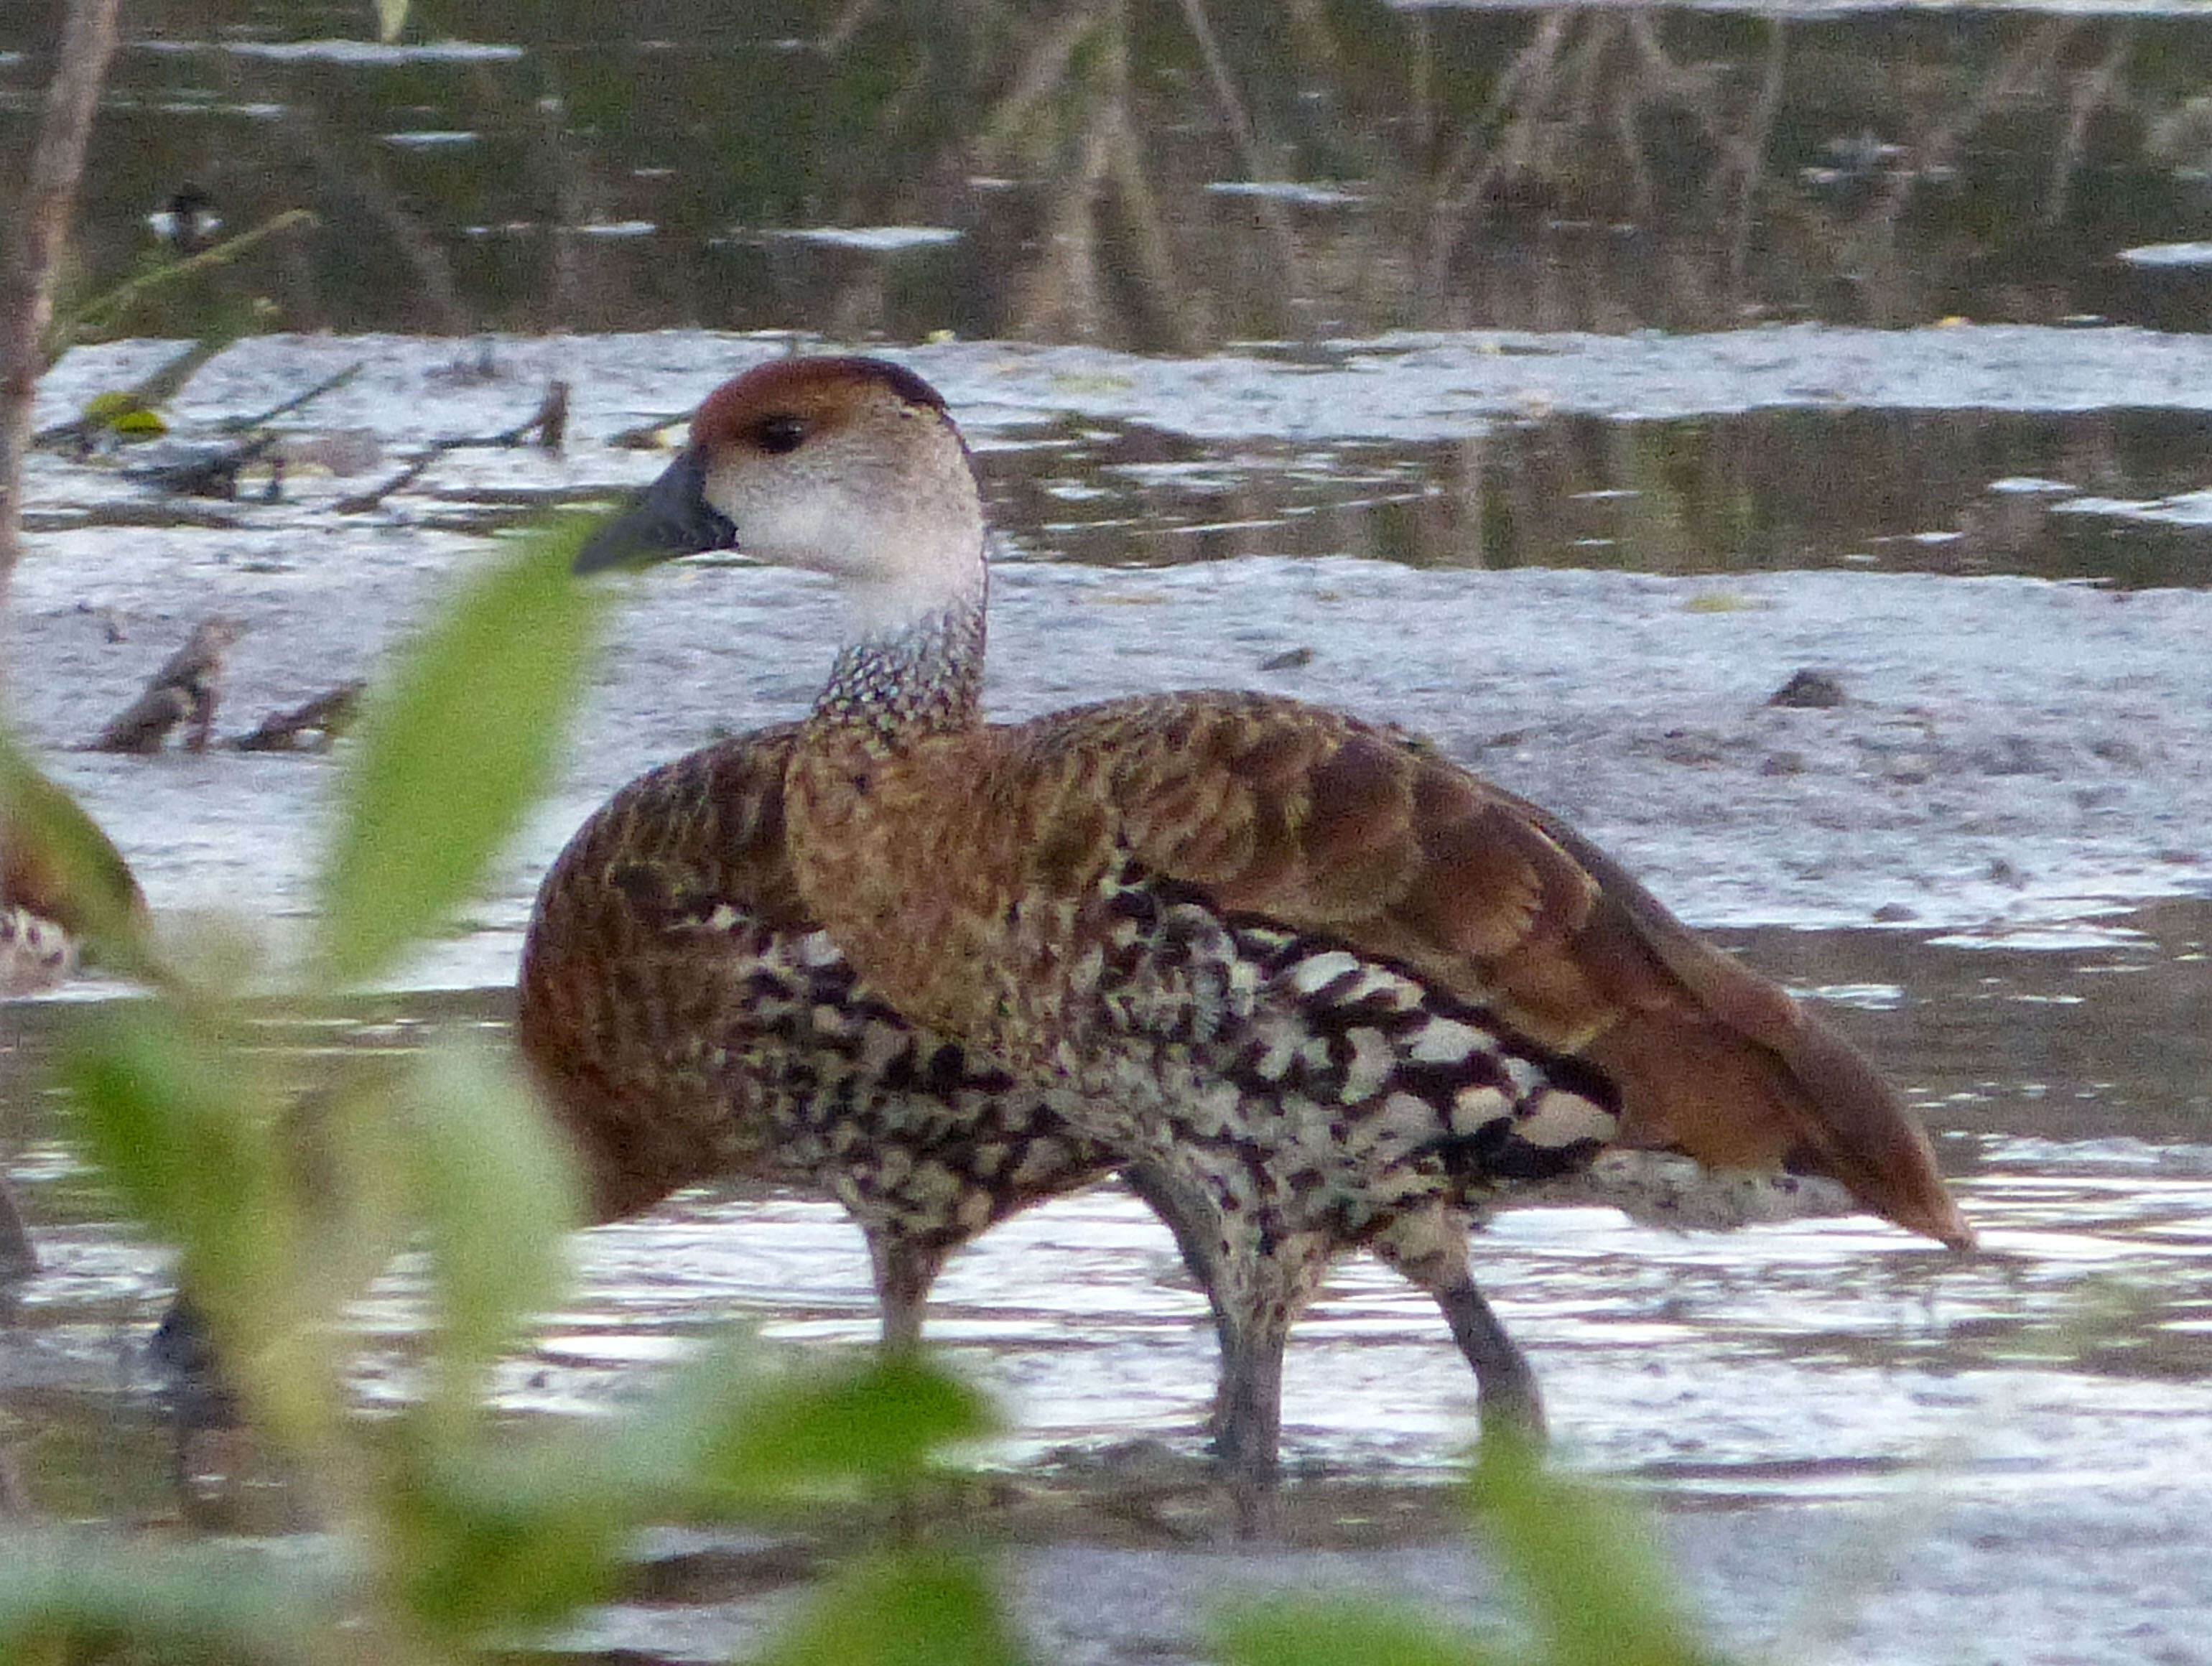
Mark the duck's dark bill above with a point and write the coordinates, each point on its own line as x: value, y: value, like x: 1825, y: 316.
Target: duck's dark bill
x: 671, y: 517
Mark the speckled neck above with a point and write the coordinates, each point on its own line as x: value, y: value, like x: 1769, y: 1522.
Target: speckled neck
x: 924, y: 679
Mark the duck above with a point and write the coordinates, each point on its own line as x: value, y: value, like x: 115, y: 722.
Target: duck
x: 686, y: 1022
x: 1327, y: 986
x: 62, y: 880
x: 62, y: 886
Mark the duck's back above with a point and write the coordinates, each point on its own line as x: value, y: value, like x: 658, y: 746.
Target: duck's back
x: 971, y: 876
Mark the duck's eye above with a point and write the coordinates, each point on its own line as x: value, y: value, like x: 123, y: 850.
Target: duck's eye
x: 780, y: 434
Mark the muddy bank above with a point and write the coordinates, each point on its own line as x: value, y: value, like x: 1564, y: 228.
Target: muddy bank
x: 2009, y: 752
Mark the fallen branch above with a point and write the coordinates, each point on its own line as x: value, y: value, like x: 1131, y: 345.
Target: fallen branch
x: 185, y: 690
x: 285, y: 408
x: 77, y: 433
x: 324, y: 718
x: 549, y: 422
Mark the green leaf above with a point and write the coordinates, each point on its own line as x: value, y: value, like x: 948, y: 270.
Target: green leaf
x: 463, y: 734
x: 187, y: 1129
x: 915, y: 1610
x: 722, y: 1435
x: 353, y: 1163
x: 74, y: 1596
x: 875, y: 1424
x: 490, y: 1537
x: 1590, y: 1570
x: 1346, y: 1631
x: 59, y: 863
x: 499, y: 1196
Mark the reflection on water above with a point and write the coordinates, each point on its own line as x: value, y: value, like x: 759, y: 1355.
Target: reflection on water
x: 1958, y: 492
x: 2069, y: 1089
x: 1159, y: 177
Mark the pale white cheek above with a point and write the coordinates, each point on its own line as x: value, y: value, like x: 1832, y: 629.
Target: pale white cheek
x: 903, y: 548
x: 796, y: 523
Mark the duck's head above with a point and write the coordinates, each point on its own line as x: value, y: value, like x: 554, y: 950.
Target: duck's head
x: 847, y: 466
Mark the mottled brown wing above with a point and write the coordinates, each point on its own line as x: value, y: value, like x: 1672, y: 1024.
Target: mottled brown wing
x: 56, y: 861
x: 1843, y: 1118
x: 1324, y: 823
x: 620, y: 1005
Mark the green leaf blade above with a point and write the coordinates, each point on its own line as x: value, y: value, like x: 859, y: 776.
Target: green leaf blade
x: 490, y: 1537
x: 723, y: 1436
x: 73, y: 1595
x: 184, y: 1130
x: 499, y: 1195
x: 915, y: 1609
x: 1589, y: 1569
x: 464, y: 735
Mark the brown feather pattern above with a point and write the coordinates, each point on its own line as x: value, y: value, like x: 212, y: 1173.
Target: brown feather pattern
x: 959, y: 876
x: 688, y: 1025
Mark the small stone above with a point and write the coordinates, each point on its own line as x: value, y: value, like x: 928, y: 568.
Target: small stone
x: 1808, y: 687
x: 1891, y: 913
x: 1297, y: 658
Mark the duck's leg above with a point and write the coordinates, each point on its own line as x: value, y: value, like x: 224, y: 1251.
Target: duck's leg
x: 1248, y: 1416
x: 1263, y: 1281
x: 906, y: 1266
x: 1196, y: 1235
x: 1506, y: 1395
x: 1429, y: 1248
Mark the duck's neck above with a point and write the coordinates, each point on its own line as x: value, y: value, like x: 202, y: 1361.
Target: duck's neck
x: 903, y: 681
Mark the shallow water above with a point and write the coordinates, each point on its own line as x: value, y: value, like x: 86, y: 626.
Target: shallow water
x: 1831, y: 1366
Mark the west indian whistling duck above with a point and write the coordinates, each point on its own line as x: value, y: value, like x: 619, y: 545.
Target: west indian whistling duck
x: 1325, y: 986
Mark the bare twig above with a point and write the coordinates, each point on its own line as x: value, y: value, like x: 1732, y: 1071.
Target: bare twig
x: 1751, y: 157
x: 26, y: 289
x: 1150, y: 251
x: 2089, y: 97
x: 1455, y: 198
x: 311, y: 728
x: 363, y: 502
x: 1061, y: 292
x: 286, y: 407
x: 549, y: 422
x: 1256, y: 166
x: 104, y: 307
x: 1041, y: 77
